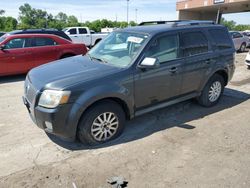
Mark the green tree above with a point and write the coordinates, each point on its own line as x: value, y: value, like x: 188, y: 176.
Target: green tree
x: 229, y: 24
x: 2, y: 12
x: 72, y: 21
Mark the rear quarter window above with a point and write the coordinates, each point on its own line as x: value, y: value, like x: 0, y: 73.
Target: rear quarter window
x: 221, y: 38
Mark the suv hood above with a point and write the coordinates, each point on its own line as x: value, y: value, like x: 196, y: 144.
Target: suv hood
x: 70, y: 71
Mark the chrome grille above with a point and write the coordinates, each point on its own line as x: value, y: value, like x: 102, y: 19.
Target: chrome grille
x: 30, y: 92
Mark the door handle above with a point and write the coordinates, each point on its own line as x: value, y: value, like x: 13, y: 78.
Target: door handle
x: 173, y: 70
x: 75, y: 36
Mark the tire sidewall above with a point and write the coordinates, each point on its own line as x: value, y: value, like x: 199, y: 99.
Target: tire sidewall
x: 84, y: 127
x: 204, y: 98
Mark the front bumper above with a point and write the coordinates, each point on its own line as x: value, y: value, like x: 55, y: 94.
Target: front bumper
x: 53, y: 121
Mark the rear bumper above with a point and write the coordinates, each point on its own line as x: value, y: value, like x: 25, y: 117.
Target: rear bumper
x: 53, y: 121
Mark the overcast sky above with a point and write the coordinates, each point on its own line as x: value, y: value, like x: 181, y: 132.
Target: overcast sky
x: 110, y: 9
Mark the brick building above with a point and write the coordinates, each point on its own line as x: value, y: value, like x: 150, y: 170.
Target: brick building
x: 209, y: 9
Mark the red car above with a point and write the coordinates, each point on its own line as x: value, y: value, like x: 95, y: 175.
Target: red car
x: 22, y: 52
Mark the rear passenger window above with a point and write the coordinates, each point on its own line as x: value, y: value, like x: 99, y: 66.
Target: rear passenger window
x: 164, y: 48
x: 82, y: 31
x: 43, y: 42
x: 193, y: 43
x: 221, y: 38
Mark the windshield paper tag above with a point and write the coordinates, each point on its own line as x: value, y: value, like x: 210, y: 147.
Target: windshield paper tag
x: 135, y: 40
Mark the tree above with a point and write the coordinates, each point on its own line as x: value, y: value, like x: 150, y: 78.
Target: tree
x: 2, y: 12
x: 72, y: 21
x: 229, y: 24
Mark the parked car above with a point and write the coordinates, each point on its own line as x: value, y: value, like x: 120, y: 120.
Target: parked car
x: 240, y: 41
x: 2, y: 33
x: 131, y: 72
x: 246, y: 34
x: 20, y: 53
x: 248, y: 60
x: 84, y: 35
x: 41, y: 31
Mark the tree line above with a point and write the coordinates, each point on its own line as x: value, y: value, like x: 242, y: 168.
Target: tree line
x: 32, y: 18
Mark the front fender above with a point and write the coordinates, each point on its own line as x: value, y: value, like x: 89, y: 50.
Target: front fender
x: 89, y: 97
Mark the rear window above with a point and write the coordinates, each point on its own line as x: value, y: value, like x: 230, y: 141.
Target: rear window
x: 221, y: 38
x: 43, y: 42
x: 193, y: 43
x: 82, y: 31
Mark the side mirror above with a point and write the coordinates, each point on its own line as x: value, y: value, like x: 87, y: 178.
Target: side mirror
x: 2, y: 47
x: 149, y: 63
x: 67, y: 33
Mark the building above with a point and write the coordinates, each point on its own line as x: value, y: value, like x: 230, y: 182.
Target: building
x: 209, y: 9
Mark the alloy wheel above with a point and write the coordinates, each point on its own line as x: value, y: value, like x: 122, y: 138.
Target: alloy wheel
x: 104, y: 126
x: 214, y: 91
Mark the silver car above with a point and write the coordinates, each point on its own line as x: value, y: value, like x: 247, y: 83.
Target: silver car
x: 240, y: 41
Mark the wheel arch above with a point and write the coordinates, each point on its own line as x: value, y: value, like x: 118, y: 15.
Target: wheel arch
x: 86, y: 102
x: 222, y: 72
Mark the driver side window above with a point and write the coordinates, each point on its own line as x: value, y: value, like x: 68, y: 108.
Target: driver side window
x: 164, y: 48
x: 15, y: 43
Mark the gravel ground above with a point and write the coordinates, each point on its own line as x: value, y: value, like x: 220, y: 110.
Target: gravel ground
x: 184, y: 145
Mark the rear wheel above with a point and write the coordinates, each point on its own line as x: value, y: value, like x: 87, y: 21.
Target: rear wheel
x: 212, y: 91
x: 101, y: 123
x: 248, y: 67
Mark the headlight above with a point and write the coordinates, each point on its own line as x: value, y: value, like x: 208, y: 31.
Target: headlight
x: 52, y: 98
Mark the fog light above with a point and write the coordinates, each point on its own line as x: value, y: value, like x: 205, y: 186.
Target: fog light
x: 49, y: 126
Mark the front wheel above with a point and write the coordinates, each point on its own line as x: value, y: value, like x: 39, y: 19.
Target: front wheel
x: 212, y: 91
x: 101, y: 123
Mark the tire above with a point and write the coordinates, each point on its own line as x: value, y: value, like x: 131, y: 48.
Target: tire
x: 248, y: 67
x: 243, y: 47
x: 91, y: 131
x: 210, y: 97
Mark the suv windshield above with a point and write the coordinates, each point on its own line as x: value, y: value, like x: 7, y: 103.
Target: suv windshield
x: 119, y: 48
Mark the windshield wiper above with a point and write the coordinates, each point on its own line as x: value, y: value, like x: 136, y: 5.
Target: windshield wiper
x: 96, y: 58
x: 99, y: 59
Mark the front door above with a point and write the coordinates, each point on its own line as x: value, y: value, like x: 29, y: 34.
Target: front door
x: 161, y: 83
x: 15, y: 57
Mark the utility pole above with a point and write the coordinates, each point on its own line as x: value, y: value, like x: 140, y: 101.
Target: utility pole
x: 127, y: 12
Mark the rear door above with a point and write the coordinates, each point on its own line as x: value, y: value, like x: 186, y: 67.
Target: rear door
x: 44, y: 51
x: 198, y: 57
x: 86, y: 37
x: 162, y: 83
x: 15, y: 58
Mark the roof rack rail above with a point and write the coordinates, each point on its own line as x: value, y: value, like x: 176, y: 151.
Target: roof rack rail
x: 177, y: 23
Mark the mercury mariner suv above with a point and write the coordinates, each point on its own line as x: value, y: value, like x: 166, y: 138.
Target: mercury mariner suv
x: 131, y: 72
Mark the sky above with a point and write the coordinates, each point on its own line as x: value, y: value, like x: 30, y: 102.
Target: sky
x: 89, y: 10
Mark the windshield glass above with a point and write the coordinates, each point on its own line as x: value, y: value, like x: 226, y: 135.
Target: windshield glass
x: 119, y: 48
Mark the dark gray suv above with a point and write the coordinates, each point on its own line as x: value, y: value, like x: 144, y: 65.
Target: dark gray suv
x: 133, y: 71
